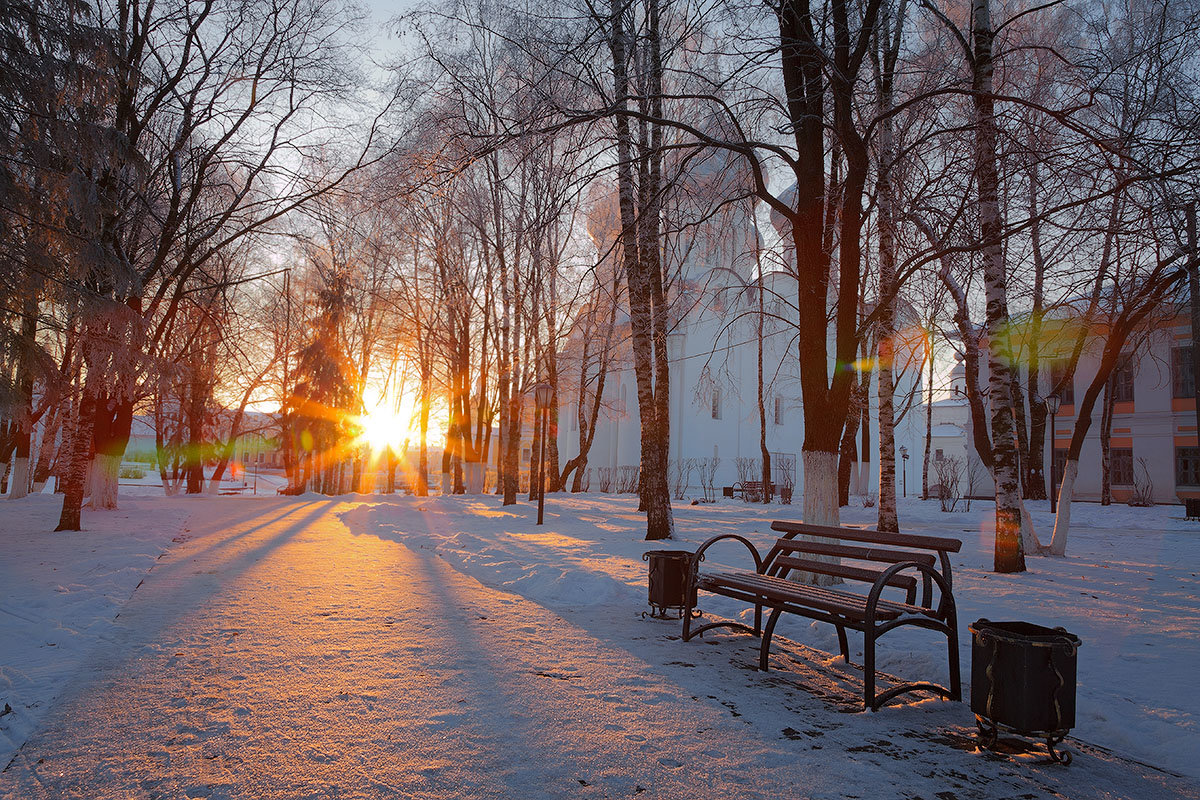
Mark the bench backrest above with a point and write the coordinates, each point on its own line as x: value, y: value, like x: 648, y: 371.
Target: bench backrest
x: 789, y: 553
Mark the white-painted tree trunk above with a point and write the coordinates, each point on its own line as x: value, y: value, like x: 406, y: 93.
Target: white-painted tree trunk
x: 820, y: 505
x: 1029, y: 539
x: 18, y: 484
x: 105, y: 473
x: 1062, y: 520
x: 475, y: 475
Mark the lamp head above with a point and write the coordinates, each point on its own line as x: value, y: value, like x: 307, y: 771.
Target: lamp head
x: 541, y: 395
x: 1052, y: 404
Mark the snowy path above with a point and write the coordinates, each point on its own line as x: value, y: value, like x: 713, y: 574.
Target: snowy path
x: 278, y: 654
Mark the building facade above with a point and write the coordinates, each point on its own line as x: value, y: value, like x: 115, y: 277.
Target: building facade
x: 1153, y: 450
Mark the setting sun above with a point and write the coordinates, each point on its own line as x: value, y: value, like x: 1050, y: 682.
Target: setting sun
x: 383, y: 428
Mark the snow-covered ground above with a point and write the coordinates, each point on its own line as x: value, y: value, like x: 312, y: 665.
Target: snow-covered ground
x: 1128, y: 589
x: 62, y: 591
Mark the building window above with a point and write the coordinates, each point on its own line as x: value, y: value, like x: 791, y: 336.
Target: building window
x: 778, y: 410
x: 1120, y: 466
x: 1187, y: 466
x: 1183, y: 378
x: 525, y: 454
x: 1122, y: 379
x: 716, y: 402
x: 938, y: 456
x: 1058, y: 370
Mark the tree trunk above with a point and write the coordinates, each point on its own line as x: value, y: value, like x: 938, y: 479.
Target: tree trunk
x: 848, y: 455
x: 78, y: 456
x: 194, y: 459
x: 640, y: 207
x: 1009, y: 554
x: 19, y: 482
x: 1033, y: 460
x: 20, y: 479
x: 422, y: 487
x: 762, y: 403
x: 535, y: 454
x: 928, y: 420
x: 1106, y: 420
x: 105, y: 474
x: 820, y: 505
x: 1062, y: 519
x: 47, y: 447
x: 886, y: 325
x: 1193, y: 281
x: 110, y: 434
x: 512, y: 450
x: 587, y: 424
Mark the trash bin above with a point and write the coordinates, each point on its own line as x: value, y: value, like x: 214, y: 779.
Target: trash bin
x: 1023, y: 681
x: 667, y: 581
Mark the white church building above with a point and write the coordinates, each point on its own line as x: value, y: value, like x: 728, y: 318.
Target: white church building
x: 724, y: 267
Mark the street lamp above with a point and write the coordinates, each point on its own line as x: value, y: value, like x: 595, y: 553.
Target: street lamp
x: 541, y: 399
x: 904, y: 456
x: 1052, y: 404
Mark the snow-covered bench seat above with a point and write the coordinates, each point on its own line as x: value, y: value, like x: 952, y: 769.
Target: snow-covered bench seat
x: 907, y: 557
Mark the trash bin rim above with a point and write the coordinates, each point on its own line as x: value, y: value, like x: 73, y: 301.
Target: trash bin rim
x: 680, y: 554
x: 1046, y: 637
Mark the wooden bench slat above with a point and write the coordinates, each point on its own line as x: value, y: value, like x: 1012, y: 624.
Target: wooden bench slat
x: 803, y: 590
x: 829, y: 602
x: 845, y: 571
x: 941, y: 543
x: 851, y: 606
x: 850, y: 551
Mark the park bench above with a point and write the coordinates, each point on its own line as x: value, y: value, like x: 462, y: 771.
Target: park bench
x: 751, y: 491
x: 885, y: 561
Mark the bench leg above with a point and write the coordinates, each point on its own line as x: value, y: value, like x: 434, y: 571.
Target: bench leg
x: 843, y: 644
x: 869, y: 669
x: 765, y: 649
x: 687, y: 613
x: 952, y: 646
x: 758, y: 620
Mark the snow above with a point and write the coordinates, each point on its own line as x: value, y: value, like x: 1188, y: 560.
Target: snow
x: 62, y: 592
x: 1127, y: 589
x: 416, y: 647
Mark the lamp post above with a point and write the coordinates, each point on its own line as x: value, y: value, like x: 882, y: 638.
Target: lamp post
x: 904, y: 458
x: 541, y: 400
x: 1052, y: 404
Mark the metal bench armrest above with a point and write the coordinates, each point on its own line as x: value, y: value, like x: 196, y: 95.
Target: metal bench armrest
x: 698, y: 556
x: 945, y: 601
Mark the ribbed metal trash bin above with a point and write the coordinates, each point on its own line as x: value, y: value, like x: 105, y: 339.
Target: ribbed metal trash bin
x: 668, y: 580
x: 1023, y: 681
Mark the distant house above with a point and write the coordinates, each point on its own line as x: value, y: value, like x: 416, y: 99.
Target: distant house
x: 258, y: 444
